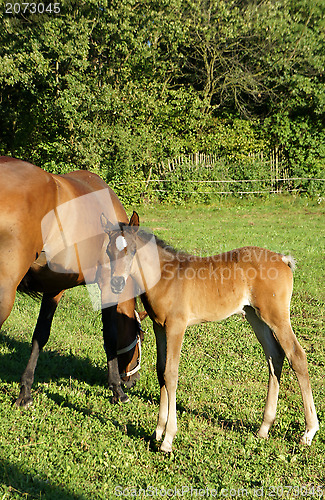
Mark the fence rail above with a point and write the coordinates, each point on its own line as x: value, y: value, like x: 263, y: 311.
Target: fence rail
x: 143, y: 186
x: 234, y: 181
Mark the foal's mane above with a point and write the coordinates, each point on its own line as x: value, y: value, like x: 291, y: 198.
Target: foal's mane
x: 147, y: 236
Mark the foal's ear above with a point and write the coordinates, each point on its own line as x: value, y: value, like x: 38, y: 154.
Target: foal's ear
x: 106, y: 224
x: 134, y: 221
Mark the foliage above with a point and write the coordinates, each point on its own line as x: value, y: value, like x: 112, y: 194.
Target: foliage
x: 119, y: 86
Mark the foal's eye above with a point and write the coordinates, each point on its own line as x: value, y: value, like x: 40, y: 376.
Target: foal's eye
x: 121, y: 243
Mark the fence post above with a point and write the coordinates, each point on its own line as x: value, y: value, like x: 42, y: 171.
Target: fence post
x: 276, y: 149
x: 148, y: 180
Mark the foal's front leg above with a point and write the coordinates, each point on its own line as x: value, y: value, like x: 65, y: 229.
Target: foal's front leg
x: 167, y: 408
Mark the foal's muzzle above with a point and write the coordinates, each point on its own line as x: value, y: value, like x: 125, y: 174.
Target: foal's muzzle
x: 117, y: 284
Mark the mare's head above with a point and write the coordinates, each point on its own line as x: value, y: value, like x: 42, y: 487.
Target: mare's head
x: 121, y: 250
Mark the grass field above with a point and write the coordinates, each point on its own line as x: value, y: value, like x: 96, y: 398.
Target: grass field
x: 73, y: 444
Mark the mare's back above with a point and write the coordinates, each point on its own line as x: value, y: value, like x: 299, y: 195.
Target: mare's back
x: 26, y: 193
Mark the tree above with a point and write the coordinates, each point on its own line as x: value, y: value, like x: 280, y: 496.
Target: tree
x: 253, y: 56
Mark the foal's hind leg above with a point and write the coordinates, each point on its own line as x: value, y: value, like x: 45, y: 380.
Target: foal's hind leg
x: 40, y: 337
x: 274, y: 357
x: 278, y: 320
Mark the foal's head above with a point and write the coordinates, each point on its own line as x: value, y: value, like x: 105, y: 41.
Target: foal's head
x: 121, y: 250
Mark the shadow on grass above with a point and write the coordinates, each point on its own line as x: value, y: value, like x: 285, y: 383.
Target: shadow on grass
x: 63, y: 402
x: 289, y: 431
x: 51, y: 364
x: 207, y: 413
x: 15, y: 483
x: 131, y: 430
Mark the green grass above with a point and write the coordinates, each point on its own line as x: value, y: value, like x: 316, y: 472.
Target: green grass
x: 74, y: 444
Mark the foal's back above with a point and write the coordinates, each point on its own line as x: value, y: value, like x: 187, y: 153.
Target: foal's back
x: 213, y: 288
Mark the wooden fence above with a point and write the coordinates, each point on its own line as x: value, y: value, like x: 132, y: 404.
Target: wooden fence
x: 278, y: 169
x: 278, y: 179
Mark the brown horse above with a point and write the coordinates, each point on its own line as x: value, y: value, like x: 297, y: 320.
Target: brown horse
x: 187, y: 290
x: 41, y: 253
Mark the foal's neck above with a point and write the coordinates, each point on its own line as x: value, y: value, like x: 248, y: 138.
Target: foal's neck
x: 166, y: 252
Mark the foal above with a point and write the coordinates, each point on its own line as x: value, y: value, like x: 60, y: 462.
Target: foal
x: 179, y: 290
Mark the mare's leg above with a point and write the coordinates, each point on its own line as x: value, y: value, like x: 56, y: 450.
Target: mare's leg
x: 128, y: 330
x: 278, y: 319
x: 115, y: 318
x: 161, y: 363
x: 40, y: 338
x: 14, y: 264
x: 174, y: 336
x: 274, y: 357
x: 109, y: 318
x: 7, y: 299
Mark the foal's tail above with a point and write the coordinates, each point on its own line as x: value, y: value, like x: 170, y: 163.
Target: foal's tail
x: 290, y: 261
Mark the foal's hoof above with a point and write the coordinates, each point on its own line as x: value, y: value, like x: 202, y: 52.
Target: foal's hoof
x: 166, y: 447
x: 309, y: 435
x: 263, y: 433
x: 156, y: 436
x: 305, y: 441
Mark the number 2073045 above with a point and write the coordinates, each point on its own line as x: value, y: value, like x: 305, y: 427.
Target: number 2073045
x: 32, y: 8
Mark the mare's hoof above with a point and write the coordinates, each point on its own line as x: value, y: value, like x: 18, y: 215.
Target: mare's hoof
x: 124, y: 399
x: 25, y: 398
x: 23, y: 402
x: 120, y: 397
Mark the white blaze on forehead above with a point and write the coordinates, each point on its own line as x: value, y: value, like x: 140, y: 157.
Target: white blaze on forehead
x: 121, y: 243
